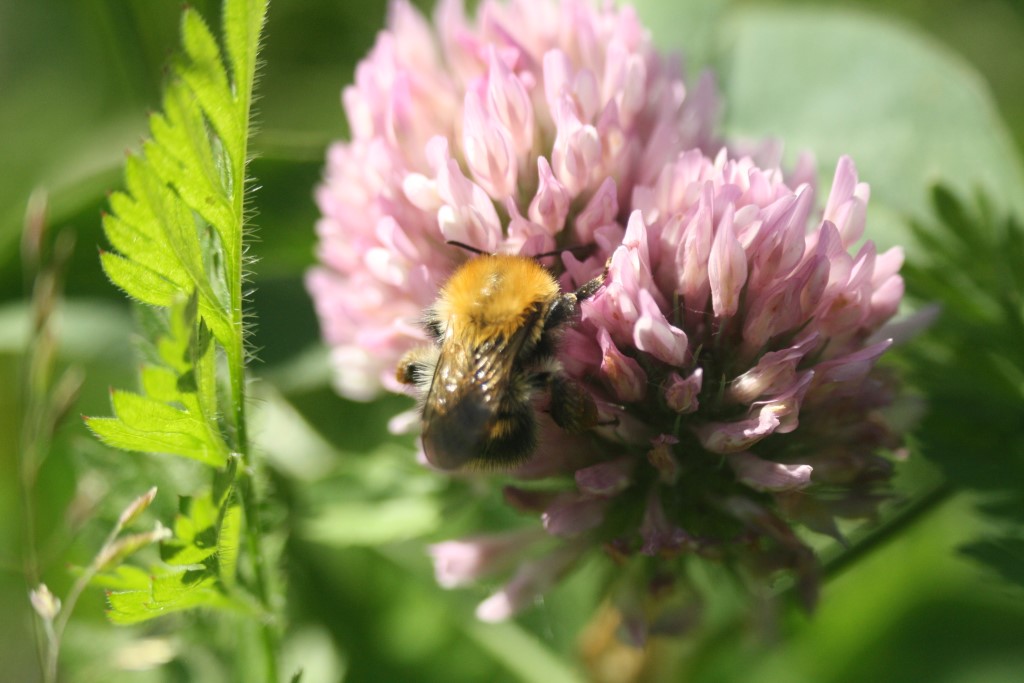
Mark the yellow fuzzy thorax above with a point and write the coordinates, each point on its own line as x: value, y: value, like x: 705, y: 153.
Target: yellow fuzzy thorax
x: 493, y: 294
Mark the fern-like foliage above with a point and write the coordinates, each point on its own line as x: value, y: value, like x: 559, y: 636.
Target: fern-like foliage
x: 177, y: 234
x: 176, y: 412
x: 199, y: 563
x: 970, y: 365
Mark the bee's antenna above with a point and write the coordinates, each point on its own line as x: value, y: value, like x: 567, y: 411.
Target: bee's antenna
x: 584, y: 248
x: 463, y: 245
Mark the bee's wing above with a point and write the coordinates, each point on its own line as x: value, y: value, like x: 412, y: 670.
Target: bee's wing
x: 467, y: 370
x: 465, y: 396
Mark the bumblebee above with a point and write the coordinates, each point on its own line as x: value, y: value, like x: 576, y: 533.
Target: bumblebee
x: 494, y: 330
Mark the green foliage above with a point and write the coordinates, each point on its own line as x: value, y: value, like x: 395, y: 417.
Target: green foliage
x: 177, y: 229
x: 970, y: 364
x: 177, y: 410
x: 1004, y: 554
x: 137, y: 595
x: 178, y: 226
x: 201, y: 562
x: 838, y: 103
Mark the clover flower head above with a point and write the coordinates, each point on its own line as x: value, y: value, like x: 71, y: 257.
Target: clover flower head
x: 520, y: 132
x: 731, y: 350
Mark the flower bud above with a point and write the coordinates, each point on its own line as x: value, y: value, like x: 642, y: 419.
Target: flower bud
x: 45, y: 603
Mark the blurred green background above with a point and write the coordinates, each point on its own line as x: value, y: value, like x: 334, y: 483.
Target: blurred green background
x: 917, y: 92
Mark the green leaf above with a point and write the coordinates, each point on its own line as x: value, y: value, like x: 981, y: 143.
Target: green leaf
x: 969, y: 365
x: 1005, y: 555
x: 243, y: 24
x: 195, y: 534
x: 191, y: 179
x: 177, y: 412
x: 123, y: 577
x: 165, y: 593
x: 206, y: 78
x: 207, y: 532
x: 145, y: 425
x: 135, y: 595
x: 148, y: 286
x: 835, y: 81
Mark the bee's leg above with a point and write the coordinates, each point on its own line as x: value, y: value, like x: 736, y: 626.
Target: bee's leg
x: 417, y: 366
x: 566, y: 306
x: 587, y: 289
x: 572, y: 408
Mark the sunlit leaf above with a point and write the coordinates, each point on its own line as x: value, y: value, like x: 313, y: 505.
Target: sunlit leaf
x: 190, y: 178
x: 177, y: 414
x: 177, y: 234
x: 195, y: 534
x: 165, y: 593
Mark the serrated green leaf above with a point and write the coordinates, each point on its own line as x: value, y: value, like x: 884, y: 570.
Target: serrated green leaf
x: 177, y: 235
x: 160, y: 383
x: 1005, y: 555
x: 117, y: 434
x: 137, y: 281
x: 128, y: 240
x: 191, y: 176
x: 124, y: 577
x: 167, y: 593
x: 196, y: 523
x: 970, y: 364
x: 205, y: 76
x: 206, y: 535
x: 183, y: 156
x: 177, y: 412
x: 243, y: 23
x: 147, y: 425
x: 184, y: 555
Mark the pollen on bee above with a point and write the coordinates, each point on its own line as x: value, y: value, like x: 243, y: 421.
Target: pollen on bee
x: 490, y: 296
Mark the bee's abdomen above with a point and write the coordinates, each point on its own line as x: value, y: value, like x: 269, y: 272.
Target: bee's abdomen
x: 513, y: 437
x: 471, y: 431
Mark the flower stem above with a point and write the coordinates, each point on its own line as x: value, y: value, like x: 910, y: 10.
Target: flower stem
x: 253, y: 529
x: 878, y: 537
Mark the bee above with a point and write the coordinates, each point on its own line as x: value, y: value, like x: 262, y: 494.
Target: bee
x: 494, y: 329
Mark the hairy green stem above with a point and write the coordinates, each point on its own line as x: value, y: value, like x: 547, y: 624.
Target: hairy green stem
x: 268, y: 631
x: 237, y: 361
